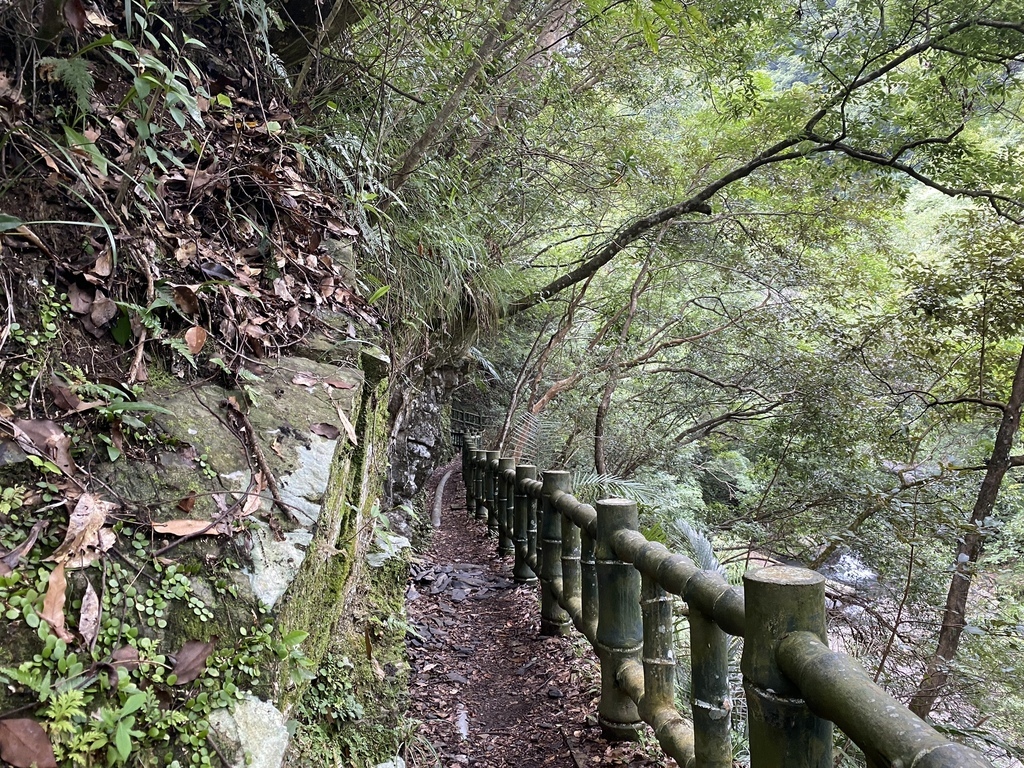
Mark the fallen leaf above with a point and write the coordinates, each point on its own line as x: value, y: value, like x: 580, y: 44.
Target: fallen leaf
x: 195, y: 338
x: 191, y: 660
x: 349, y: 429
x: 24, y: 744
x: 89, y: 619
x: 185, y: 252
x: 305, y: 380
x: 74, y: 13
x: 341, y: 384
x: 48, y: 440
x: 103, y: 310
x: 62, y: 396
x: 125, y: 657
x: 104, y: 264
x: 216, y: 271
x: 93, y: 550
x: 53, y: 603
x: 84, y: 524
x: 186, y: 299
x: 80, y: 298
x: 293, y: 317
x: 186, y: 504
x: 5, y: 411
x: 324, y: 429
x: 11, y: 559
x: 97, y: 18
x: 191, y: 528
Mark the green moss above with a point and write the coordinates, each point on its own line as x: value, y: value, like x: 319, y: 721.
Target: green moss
x: 353, y: 713
x: 316, y: 598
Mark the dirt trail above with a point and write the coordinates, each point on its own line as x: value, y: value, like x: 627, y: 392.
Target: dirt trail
x: 488, y: 688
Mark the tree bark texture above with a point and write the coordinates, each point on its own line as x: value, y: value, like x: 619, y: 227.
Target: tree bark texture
x: 969, y: 551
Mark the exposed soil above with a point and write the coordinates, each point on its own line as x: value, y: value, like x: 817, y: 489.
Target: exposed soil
x: 488, y: 688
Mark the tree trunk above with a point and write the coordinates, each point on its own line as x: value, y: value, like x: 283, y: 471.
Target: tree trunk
x: 414, y: 154
x: 970, y: 549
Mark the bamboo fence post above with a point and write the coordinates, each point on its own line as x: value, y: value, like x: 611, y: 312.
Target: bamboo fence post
x: 491, y: 490
x: 710, y: 700
x: 468, y: 471
x: 521, y: 571
x: 619, y: 623
x: 553, y: 618
x: 659, y: 702
x: 783, y: 731
x: 479, y: 511
x: 588, y: 585
x: 532, y: 535
x: 571, y: 581
x: 506, y: 499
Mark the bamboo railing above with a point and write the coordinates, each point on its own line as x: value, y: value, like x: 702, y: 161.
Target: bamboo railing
x: 599, y: 574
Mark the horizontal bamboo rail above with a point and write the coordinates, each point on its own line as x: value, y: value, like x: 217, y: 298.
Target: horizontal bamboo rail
x: 598, y: 573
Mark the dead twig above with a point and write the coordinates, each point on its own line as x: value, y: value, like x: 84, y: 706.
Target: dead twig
x: 261, y: 460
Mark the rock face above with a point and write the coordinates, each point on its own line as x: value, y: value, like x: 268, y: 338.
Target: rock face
x: 255, y: 733
x: 288, y: 472
x: 420, y: 437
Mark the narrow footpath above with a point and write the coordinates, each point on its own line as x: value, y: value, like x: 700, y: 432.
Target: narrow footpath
x: 488, y: 689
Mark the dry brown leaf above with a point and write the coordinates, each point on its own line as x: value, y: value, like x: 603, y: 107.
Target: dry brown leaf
x: 104, y: 264
x: 93, y: 551
x: 96, y: 18
x: 53, y: 603
x: 349, y: 429
x: 191, y: 660
x: 186, y: 252
x: 191, y: 528
x: 89, y: 618
x: 186, y: 299
x: 292, y: 318
x: 74, y: 13
x: 24, y: 744
x: 9, y: 95
x: 341, y: 384
x: 11, y: 559
x: 84, y: 524
x: 195, y: 338
x: 103, y: 310
x: 305, y: 380
x: 5, y: 411
x: 62, y: 396
x: 80, y: 298
x: 324, y: 429
x: 48, y: 440
x: 188, y: 503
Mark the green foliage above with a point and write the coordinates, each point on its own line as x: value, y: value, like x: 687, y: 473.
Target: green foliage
x: 74, y: 74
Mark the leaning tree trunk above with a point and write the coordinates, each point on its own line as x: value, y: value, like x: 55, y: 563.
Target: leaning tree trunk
x: 953, y: 617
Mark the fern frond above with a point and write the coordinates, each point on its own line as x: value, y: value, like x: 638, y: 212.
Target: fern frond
x: 591, y: 486
x: 74, y: 75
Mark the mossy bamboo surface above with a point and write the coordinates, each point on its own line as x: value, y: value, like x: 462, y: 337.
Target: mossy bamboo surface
x: 710, y: 700
x: 491, y: 491
x: 521, y: 570
x: 657, y: 706
x: 553, y: 618
x: 837, y: 687
x: 572, y: 587
x: 479, y: 482
x: 504, y: 501
x: 469, y: 448
x: 619, y: 623
x: 588, y: 586
x: 705, y: 590
x: 783, y: 731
